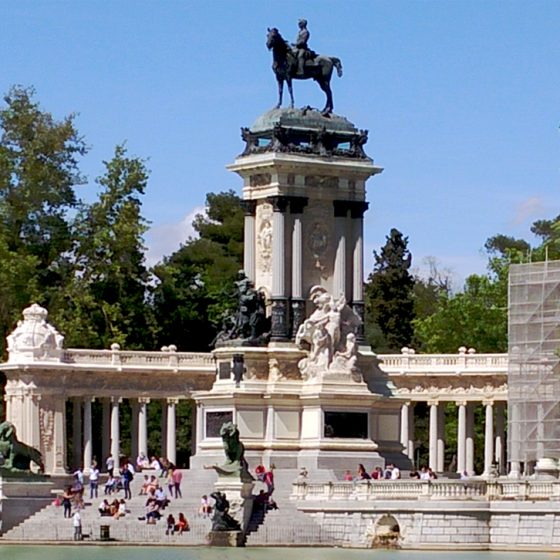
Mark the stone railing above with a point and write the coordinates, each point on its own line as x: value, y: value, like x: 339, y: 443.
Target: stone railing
x: 127, y: 358
x: 475, y: 489
x: 465, y: 360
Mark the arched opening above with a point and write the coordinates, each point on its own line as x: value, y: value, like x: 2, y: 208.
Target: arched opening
x: 387, y: 533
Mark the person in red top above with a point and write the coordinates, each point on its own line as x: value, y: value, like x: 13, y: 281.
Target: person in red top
x: 348, y: 476
x: 269, y: 480
x: 260, y: 472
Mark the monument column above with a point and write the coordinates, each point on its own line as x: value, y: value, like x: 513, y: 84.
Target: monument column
x: 88, y: 444
x: 143, y: 425
x: 171, y: 430
x: 405, y: 427
x: 115, y: 430
x: 249, y: 207
x: 297, y: 205
x: 461, y: 436
x: 489, y: 438
x: 279, y: 329
x: 340, y: 223
x: 357, y: 211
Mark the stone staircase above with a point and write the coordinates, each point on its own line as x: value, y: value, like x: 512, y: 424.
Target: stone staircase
x: 49, y: 524
x: 286, y: 525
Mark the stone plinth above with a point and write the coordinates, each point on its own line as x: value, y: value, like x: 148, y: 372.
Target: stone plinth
x: 226, y: 538
x: 240, y: 497
x: 21, y: 497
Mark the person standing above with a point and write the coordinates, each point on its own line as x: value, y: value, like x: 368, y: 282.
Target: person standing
x: 126, y: 477
x: 110, y: 464
x: 177, y: 478
x: 93, y: 482
x: 77, y: 523
x: 67, y: 502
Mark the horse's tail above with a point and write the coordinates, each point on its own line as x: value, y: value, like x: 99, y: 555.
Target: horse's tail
x: 337, y: 65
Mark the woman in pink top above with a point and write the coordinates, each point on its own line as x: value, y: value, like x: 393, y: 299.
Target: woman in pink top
x: 177, y: 478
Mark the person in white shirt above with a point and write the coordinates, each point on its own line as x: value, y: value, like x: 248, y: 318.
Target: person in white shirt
x: 395, y: 473
x: 93, y: 482
x: 77, y: 523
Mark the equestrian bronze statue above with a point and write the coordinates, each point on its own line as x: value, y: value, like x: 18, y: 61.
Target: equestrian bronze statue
x: 301, y: 63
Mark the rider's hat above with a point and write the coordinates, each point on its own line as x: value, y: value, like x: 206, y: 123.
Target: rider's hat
x: 303, y: 20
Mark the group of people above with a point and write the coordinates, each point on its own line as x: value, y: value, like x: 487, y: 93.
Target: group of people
x: 390, y: 472
x: 116, y: 509
x: 425, y: 473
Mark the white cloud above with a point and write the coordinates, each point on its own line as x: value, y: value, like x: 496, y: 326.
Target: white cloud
x: 529, y: 208
x: 164, y: 239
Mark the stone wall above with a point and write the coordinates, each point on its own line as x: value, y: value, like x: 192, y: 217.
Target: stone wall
x: 443, y: 525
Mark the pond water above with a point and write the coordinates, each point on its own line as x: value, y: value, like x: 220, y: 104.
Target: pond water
x: 86, y: 552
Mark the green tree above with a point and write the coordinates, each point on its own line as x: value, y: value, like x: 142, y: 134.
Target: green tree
x: 390, y: 296
x: 476, y: 318
x: 196, y: 283
x: 106, y: 300
x: 38, y: 173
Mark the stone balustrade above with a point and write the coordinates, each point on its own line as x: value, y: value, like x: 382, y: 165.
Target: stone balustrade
x: 128, y: 358
x: 409, y: 362
x: 474, y: 489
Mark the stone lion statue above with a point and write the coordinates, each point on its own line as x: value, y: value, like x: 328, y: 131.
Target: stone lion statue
x: 235, y: 464
x: 15, y: 455
x: 233, y: 447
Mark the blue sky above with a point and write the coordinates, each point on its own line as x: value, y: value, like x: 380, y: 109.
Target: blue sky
x: 461, y: 100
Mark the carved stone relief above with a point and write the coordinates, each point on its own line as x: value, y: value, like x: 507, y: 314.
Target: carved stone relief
x: 264, y: 244
x: 319, y: 238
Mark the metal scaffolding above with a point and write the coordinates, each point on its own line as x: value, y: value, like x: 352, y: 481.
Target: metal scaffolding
x: 534, y: 362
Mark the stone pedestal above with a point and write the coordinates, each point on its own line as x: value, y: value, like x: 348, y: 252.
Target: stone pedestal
x: 240, y: 497
x: 226, y: 538
x: 20, y: 497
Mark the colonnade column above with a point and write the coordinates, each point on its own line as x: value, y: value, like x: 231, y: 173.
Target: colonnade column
x: 488, y: 437
x: 441, y: 438
x: 279, y: 327
x: 514, y: 451
x: 143, y: 425
x: 461, y: 436
x: 115, y: 430
x: 432, y: 459
x: 340, y: 225
x: 500, y: 445
x: 88, y: 445
x: 469, y: 443
x: 357, y: 211
x: 172, y: 430
x: 134, y: 429
x: 76, y: 432
x: 405, y: 426
x: 249, y: 207
x: 297, y: 205
x: 163, y: 426
x: 407, y: 429
x: 106, y: 430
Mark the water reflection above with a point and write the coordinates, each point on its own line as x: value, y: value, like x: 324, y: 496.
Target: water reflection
x: 87, y: 552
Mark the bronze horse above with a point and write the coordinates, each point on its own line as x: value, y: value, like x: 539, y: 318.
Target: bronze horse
x: 285, y: 68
